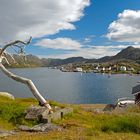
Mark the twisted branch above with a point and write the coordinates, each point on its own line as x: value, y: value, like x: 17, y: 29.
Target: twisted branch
x: 20, y: 79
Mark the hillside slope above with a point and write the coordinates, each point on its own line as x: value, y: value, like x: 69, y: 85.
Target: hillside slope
x: 129, y: 54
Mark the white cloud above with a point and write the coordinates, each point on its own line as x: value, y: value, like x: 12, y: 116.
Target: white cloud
x: 74, y: 48
x: 59, y: 43
x: 89, y: 38
x: 126, y: 28
x: 93, y: 52
x: 22, y: 18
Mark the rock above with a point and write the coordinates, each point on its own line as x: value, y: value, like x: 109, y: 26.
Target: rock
x: 41, y: 128
x: 24, y: 128
x: 42, y: 113
x: 46, y: 127
x: 109, y: 107
x: 36, y: 112
x: 8, y: 95
x: 59, y: 114
x: 6, y: 133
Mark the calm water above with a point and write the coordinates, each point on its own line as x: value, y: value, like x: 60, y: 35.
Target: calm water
x: 71, y: 87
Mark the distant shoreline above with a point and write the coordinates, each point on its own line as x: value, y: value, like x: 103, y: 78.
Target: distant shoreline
x: 114, y: 73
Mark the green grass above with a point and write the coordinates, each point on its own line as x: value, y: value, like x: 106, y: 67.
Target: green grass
x: 80, y: 124
x: 120, y: 124
x: 106, y: 122
x: 12, y: 111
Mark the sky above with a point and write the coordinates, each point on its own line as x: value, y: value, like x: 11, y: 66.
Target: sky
x: 71, y: 28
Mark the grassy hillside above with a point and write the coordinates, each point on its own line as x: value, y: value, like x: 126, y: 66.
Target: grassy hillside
x: 82, y: 124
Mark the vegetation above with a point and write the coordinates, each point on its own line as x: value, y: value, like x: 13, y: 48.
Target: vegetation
x: 82, y: 124
x: 12, y: 112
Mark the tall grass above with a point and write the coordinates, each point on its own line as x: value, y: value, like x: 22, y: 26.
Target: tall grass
x: 118, y: 123
x: 122, y: 124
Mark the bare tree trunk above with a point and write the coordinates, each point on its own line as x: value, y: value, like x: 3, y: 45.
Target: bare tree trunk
x: 20, y: 79
x: 27, y: 82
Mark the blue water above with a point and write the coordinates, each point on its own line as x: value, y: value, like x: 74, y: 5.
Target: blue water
x: 71, y: 87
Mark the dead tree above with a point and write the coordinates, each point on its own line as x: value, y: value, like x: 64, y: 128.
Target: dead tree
x: 21, y: 45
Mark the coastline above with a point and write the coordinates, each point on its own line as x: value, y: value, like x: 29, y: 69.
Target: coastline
x: 106, y: 73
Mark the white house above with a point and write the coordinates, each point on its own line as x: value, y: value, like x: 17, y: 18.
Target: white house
x: 79, y: 69
x: 103, y: 68
x: 109, y: 68
x: 97, y: 68
x: 123, y: 68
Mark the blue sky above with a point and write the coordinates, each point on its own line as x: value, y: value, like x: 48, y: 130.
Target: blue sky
x: 88, y: 28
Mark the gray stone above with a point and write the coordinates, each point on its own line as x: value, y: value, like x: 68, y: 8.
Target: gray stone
x: 58, y: 114
x: 6, y: 133
x: 46, y: 127
x: 66, y: 111
x: 24, y: 128
x: 56, y: 108
x: 8, y: 95
x: 41, y: 128
x: 41, y: 113
x: 109, y: 107
x: 36, y: 112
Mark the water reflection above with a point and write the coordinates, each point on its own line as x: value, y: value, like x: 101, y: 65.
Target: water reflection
x: 71, y: 87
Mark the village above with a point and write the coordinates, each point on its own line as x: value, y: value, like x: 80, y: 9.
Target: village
x: 100, y: 68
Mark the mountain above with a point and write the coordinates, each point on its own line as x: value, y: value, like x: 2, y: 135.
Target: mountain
x: 57, y: 62
x: 28, y: 61
x: 51, y: 62
x: 129, y: 54
x: 104, y: 59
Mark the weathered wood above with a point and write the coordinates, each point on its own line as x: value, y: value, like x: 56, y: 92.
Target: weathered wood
x: 20, y: 79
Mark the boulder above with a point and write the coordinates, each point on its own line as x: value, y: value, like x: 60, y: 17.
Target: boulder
x: 36, y: 112
x: 41, y: 127
x: 59, y: 114
x: 42, y: 113
x: 6, y: 133
x: 8, y: 95
x: 109, y: 107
